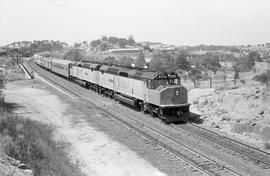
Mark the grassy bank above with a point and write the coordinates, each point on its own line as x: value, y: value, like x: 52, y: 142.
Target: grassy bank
x: 31, y: 143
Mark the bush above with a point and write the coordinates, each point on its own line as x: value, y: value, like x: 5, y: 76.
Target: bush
x: 263, y: 78
x: 2, y: 86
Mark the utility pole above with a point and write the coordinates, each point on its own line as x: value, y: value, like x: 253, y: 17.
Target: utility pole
x: 267, y: 85
x: 268, y: 73
x: 236, y: 73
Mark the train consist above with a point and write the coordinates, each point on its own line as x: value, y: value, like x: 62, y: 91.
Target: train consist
x: 157, y: 93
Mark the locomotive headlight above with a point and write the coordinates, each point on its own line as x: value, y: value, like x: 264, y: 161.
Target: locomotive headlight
x: 179, y: 113
x: 161, y: 112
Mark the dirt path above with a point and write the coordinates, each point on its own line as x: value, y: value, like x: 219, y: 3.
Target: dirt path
x: 93, y: 150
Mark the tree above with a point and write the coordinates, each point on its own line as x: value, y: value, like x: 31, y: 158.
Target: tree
x: 255, y: 56
x: 211, y: 62
x: 103, y: 46
x: 109, y: 60
x: 44, y: 45
x: 195, y: 74
x: 156, y: 64
x: 2, y: 81
x: 74, y: 55
x: 85, y: 43
x: 162, y: 64
x: 263, y: 77
x: 130, y: 40
x: 247, y: 63
x: 122, y: 43
x: 2, y: 86
x: 181, y: 61
x: 140, y: 60
x: 126, y: 61
x: 147, y: 47
x: 236, y: 69
x: 95, y: 43
x: 104, y: 38
x: 56, y: 46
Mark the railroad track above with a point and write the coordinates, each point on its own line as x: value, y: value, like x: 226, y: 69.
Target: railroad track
x: 255, y: 155
x: 179, y: 151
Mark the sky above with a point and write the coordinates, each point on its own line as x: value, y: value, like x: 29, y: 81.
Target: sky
x: 177, y: 22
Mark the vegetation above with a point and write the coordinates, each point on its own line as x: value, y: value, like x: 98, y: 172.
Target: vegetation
x: 195, y: 74
x: 181, y: 62
x: 160, y: 64
x: 248, y: 62
x: 147, y: 48
x: 165, y: 61
x: 110, y: 60
x: 140, y: 60
x: 29, y: 48
x: 126, y: 61
x: 211, y: 62
x: 2, y: 86
x: 263, y: 77
x: 104, y: 43
x: 74, y: 55
x: 31, y: 143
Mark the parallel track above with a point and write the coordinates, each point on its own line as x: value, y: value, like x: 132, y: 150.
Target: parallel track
x: 173, y: 146
x: 259, y: 157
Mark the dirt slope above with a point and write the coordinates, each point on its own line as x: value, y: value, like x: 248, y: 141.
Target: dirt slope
x: 243, y: 111
x: 92, y: 150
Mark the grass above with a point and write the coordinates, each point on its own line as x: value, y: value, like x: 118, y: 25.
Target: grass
x: 13, y: 73
x: 31, y: 143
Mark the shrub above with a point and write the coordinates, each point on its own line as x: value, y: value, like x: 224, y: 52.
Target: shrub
x: 263, y: 78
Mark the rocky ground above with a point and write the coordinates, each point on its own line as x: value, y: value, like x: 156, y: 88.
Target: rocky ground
x: 10, y: 166
x: 241, y: 111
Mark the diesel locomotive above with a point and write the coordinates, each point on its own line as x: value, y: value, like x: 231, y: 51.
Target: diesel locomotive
x: 157, y: 93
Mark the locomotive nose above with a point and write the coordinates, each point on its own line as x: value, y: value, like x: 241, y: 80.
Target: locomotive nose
x: 173, y: 95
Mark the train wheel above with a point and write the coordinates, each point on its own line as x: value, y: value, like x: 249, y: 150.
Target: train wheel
x: 166, y: 122
x: 141, y: 107
x: 152, y: 114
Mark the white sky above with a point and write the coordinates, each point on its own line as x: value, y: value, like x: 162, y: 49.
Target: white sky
x: 179, y: 22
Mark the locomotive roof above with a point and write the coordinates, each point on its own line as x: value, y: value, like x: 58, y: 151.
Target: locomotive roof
x: 128, y: 72
x: 125, y: 71
x: 86, y: 64
x: 61, y: 61
x: 44, y: 54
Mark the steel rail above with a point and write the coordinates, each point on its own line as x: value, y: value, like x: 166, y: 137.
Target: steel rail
x: 256, y: 155
x: 196, y: 160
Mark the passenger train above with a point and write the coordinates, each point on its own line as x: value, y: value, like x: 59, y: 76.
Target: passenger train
x: 157, y: 93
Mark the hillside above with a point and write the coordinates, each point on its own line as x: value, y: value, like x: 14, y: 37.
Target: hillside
x: 241, y: 111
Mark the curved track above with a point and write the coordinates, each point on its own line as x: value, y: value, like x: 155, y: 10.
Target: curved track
x: 173, y: 146
x: 259, y: 157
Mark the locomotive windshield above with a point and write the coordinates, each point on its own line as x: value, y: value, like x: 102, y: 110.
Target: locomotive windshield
x: 153, y: 84
x: 164, y: 78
